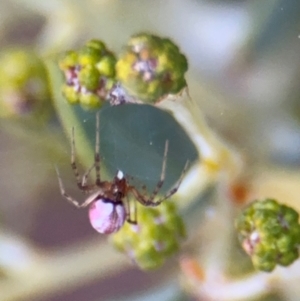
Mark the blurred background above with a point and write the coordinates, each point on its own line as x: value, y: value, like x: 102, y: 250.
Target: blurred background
x: 243, y: 73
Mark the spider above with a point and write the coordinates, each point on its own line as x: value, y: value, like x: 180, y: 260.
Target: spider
x: 108, y: 203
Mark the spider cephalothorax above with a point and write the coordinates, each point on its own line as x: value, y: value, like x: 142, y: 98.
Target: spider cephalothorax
x: 108, y: 203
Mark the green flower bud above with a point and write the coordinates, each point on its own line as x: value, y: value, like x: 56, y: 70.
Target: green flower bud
x: 70, y: 94
x: 89, y: 57
x: 285, y: 243
x: 70, y: 60
x: 146, y: 256
x: 288, y: 258
x: 90, y: 101
x: 269, y: 233
x: 266, y: 264
x: 89, y: 77
x: 24, y: 90
x: 107, y: 66
x: 90, y: 72
x: 157, y: 235
x: 290, y: 215
x: 151, y: 67
x: 98, y: 45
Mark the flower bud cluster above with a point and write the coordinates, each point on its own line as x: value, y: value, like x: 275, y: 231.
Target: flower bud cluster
x: 270, y: 233
x: 156, y: 236
x: 89, y: 74
x: 151, y: 67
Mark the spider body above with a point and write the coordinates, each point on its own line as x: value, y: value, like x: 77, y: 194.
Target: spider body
x: 107, y: 216
x: 107, y: 213
x: 108, y: 202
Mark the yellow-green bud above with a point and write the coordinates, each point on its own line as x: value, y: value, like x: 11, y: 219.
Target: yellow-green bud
x: 107, y: 66
x: 157, y: 235
x: 90, y: 72
x: 151, y: 67
x: 70, y: 94
x: 89, y: 77
x: 90, y: 101
x: 269, y: 233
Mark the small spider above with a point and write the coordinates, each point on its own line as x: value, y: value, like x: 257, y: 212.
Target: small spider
x: 108, y: 201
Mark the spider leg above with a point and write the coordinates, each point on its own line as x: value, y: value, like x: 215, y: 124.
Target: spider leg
x: 63, y: 192
x: 97, y: 150
x: 150, y: 201
x: 129, y: 218
x: 71, y: 199
x: 86, y: 175
x: 177, y: 185
x: 81, y: 182
x: 135, y: 212
x: 73, y: 163
x: 162, y: 174
x: 96, y: 163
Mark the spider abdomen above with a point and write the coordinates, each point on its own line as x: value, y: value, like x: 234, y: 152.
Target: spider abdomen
x: 107, y: 216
